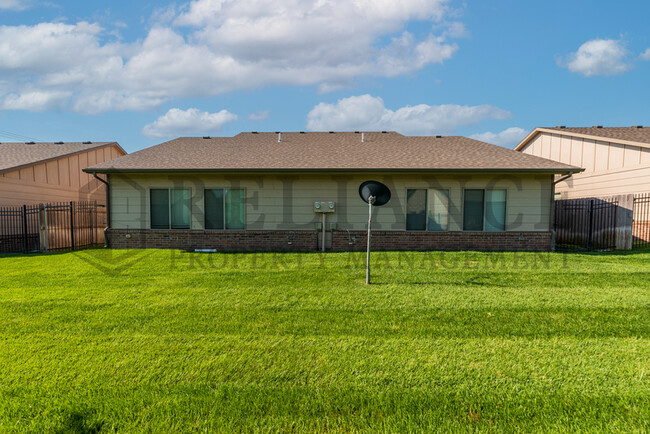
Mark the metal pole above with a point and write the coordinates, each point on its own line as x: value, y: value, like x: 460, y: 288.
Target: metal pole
x: 591, y: 225
x: 370, y: 201
x: 323, y: 246
x: 93, y: 218
x: 25, y: 229
x: 46, y: 228
x: 72, y: 224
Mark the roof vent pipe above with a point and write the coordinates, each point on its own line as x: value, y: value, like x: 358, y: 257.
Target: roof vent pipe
x: 363, y: 137
x: 279, y: 137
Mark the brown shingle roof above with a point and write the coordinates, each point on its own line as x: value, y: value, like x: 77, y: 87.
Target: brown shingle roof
x: 624, y: 135
x: 17, y: 155
x: 327, y: 152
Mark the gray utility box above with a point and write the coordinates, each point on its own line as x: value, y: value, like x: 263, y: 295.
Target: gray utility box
x: 326, y: 206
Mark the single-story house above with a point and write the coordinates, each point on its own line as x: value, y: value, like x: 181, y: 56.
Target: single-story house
x: 616, y: 160
x: 282, y: 191
x: 33, y: 173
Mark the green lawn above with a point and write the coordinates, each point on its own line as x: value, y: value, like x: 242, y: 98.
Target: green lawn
x: 167, y: 341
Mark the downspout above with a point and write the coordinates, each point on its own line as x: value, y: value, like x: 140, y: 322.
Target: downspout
x: 552, y: 212
x: 108, y: 205
x: 564, y: 178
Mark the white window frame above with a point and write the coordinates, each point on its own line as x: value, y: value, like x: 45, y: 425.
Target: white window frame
x: 426, y: 207
x: 485, y: 190
x: 224, y: 207
x: 169, y: 207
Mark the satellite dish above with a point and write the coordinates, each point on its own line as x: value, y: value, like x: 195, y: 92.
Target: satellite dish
x: 375, y: 189
x: 374, y: 193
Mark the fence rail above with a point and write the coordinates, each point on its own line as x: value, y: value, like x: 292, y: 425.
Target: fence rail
x: 51, y: 227
x: 641, y: 221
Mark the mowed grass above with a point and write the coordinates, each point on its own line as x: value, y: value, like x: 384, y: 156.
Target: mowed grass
x: 168, y: 341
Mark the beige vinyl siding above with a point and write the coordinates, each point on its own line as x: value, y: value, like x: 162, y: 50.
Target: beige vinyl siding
x: 286, y: 201
x: 610, y: 168
x: 611, y: 183
x: 60, y: 180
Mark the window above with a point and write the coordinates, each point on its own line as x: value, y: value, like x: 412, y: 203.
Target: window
x: 170, y: 208
x: 473, y: 210
x: 159, y: 207
x: 427, y: 213
x: 438, y: 210
x: 495, y: 210
x: 484, y: 210
x: 416, y: 205
x: 214, y: 215
x: 225, y: 208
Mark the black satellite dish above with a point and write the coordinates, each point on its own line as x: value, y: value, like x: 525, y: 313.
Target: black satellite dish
x: 375, y: 189
x: 374, y: 193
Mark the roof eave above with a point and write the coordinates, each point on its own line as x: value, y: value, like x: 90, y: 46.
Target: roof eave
x: 339, y: 170
x: 580, y: 135
x: 71, y: 154
x: 527, y: 139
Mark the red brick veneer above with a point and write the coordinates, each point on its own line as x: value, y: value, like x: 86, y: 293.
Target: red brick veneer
x: 252, y: 240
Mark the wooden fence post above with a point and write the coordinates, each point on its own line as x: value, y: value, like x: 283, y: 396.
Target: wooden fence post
x: 624, y: 222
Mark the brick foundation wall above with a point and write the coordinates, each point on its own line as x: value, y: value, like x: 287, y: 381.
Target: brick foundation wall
x: 226, y: 241
x: 242, y: 241
x: 402, y: 240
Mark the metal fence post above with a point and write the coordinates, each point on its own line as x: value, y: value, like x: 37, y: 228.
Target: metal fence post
x: 72, y: 225
x: 42, y: 227
x: 590, y: 229
x: 24, y: 228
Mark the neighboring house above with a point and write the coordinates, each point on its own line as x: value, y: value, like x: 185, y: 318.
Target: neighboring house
x: 33, y: 173
x: 616, y: 160
x: 257, y: 191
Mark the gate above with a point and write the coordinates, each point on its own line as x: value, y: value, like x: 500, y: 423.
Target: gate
x: 51, y: 227
x: 19, y: 229
x: 585, y: 224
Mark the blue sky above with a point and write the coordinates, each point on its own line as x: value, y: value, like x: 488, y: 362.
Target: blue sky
x: 143, y: 72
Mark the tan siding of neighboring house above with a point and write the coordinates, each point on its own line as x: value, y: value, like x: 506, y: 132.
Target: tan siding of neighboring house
x: 286, y: 201
x: 60, y: 180
x: 610, y: 168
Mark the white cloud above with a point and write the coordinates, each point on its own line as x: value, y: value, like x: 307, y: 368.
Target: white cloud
x: 51, y: 48
x: 217, y: 46
x: 508, y: 138
x: 645, y: 55
x: 15, y: 5
x: 177, y: 122
x: 34, y: 101
x: 260, y: 115
x: 369, y: 113
x: 599, y: 57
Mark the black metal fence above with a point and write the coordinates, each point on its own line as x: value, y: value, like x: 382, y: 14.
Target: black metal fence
x: 641, y: 219
x: 585, y: 224
x: 51, y: 227
x: 19, y: 229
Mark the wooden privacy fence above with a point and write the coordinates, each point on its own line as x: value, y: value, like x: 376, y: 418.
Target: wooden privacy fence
x: 641, y: 225
x: 51, y: 227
